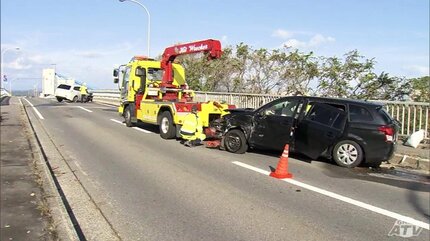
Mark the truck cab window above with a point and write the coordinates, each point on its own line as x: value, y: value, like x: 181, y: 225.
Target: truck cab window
x: 154, y: 74
x: 125, y: 79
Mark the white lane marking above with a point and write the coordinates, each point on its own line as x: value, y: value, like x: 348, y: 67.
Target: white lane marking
x: 343, y: 198
x: 35, y: 110
x: 117, y: 121
x: 136, y: 128
x: 80, y: 168
x: 85, y: 109
x: 255, y: 169
x: 142, y: 130
x: 107, y: 105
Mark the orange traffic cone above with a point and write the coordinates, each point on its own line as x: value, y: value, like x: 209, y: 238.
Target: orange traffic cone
x: 282, y: 168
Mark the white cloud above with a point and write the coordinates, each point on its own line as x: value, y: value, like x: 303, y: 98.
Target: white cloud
x: 294, y: 43
x: 286, y: 34
x: 319, y: 39
x: 89, y: 54
x: 39, y: 59
x: 18, y: 64
x: 418, y: 70
x: 315, y: 41
x: 283, y: 34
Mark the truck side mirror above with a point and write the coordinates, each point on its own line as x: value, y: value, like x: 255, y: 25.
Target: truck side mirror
x: 115, y: 76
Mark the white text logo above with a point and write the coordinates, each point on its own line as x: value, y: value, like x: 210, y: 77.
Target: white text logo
x: 404, y: 230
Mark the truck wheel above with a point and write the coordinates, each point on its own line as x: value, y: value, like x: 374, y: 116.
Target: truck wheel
x: 75, y: 99
x: 127, y: 117
x: 347, y: 153
x: 235, y: 141
x: 59, y: 99
x: 167, y: 127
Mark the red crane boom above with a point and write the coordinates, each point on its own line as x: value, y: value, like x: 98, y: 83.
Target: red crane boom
x: 210, y: 46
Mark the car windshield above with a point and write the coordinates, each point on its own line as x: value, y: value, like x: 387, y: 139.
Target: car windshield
x: 65, y: 87
x: 284, y: 107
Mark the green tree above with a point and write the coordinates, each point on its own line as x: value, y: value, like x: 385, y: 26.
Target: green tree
x: 383, y: 87
x: 298, y: 71
x: 420, y: 89
x: 344, y: 78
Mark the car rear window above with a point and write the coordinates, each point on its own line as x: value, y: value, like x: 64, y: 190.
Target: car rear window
x: 359, y: 114
x: 77, y: 88
x: 385, y: 116
x: 65, y: 87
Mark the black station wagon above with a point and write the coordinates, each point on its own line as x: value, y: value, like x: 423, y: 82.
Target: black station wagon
x: 351, y: 132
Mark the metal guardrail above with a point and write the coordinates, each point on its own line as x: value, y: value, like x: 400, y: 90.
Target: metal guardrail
x: 412, y: 116
x: 4, y: 92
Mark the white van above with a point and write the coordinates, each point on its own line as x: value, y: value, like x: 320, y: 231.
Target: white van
x: 68, y: 92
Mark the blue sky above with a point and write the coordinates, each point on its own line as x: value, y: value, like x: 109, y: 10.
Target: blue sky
x: 85, y: 39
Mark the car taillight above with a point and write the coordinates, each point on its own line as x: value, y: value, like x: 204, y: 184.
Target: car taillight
x: 388, y: 131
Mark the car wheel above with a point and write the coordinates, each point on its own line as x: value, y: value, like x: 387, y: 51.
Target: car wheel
x: 75, y: 99
x: 59, y: 99
x: 235, y: 141
x: 347, y: 153
x: 166, y: 125
x: 127, y: 117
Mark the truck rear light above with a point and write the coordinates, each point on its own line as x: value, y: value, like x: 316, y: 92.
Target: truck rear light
x: 388, y: 131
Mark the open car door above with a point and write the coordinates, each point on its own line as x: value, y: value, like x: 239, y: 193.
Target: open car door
x: 273, y: 124
x: 321, y: 127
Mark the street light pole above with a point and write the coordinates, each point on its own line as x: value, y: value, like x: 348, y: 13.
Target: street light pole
x: 1, y: 63
x: 149, y: 19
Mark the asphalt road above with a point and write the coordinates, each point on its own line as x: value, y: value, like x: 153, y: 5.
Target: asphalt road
x: 154, y: 189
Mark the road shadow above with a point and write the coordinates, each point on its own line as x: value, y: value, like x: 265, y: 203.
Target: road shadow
x: 413, y: 200
x: 110, y: 110
x: 392, y: 177
x: 148, y: 127
x: 5, y: 100
x: 411, y: 182
x: 53, y: 104
x: 3, y: 116
x: 294, y: 155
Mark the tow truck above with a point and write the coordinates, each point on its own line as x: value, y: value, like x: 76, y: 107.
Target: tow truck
x: 156, y: 92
